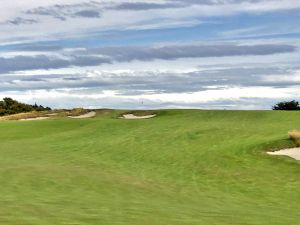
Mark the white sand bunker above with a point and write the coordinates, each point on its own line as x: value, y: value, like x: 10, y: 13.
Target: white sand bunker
x: 52, y: 114
x: 87, y: 115
x: 36, y: 118
x: 134, y: 117
x: 291, y: 152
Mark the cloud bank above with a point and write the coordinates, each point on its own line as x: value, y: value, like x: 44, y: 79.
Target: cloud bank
x: 164, y: 53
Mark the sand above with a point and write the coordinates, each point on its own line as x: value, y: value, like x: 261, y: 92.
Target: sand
x: 36, y: 118
x: 291, y: 152
x: 52, y: 114
x: 87, y: 115
x: 134, y: 117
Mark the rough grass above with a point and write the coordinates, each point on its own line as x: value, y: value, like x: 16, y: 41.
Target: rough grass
x: 169, y: 170
x: 76, y: 112
x: 53, y: 114
x: 294, y: 136
x: 21, y: 116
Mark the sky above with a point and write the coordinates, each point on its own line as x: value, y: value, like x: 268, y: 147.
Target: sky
x: 208, y: 54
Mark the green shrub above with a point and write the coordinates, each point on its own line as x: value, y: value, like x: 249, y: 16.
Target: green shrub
x: 9, y: 106
x: 290, y: 105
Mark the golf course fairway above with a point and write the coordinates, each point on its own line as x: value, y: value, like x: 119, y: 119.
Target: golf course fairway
x: 182, y: 167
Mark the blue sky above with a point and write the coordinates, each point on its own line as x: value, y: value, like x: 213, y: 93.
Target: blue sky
x: 218, y: 54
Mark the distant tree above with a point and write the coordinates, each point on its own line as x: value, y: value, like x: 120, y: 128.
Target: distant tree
x: 288, y: 105
x: 10, y: 106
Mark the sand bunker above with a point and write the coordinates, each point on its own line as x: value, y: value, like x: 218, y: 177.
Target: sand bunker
x: 36, y: 118
x: 87, y: 115
x: 134, y: 117
x: 52, y: 114
x: 291, y: 152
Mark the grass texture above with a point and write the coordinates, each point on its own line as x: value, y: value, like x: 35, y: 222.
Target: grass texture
x: 184, y: 167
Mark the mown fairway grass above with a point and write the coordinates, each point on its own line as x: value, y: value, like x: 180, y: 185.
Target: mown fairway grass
x: 184, y: 167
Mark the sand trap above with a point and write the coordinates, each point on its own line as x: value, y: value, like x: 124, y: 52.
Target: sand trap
x: 134, y: 117
x: 52, y: 114
x: 291, y: 152
x: 37, y: 118
x: 87, y: 115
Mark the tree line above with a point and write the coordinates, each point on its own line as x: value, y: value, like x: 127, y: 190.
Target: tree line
x: 288, y: 105
x: 9, y: 106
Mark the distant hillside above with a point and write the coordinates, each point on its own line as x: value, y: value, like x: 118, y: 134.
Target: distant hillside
x: 9, y: 106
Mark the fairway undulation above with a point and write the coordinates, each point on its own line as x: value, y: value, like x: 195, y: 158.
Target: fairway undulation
x: 183, y: 167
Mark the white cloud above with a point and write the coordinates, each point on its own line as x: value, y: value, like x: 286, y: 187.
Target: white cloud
x: 235, y: 97
x: 160, y: 75
x: 187, y: 15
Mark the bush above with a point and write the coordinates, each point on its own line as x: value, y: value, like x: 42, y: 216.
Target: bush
x: 9, y: 106
x: 289, y: 105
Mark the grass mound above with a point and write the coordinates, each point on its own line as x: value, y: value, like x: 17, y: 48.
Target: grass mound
x: 62, y: 113
x: 24, y: 116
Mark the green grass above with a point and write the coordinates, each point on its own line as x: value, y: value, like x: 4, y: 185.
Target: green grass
x: 184, y: 167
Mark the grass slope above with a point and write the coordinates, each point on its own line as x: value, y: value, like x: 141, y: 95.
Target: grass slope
x: 183, y: 167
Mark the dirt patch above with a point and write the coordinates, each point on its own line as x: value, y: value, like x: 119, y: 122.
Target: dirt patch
x: 87, y: 115
x: 135, y: 117
x: 291, y: 152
